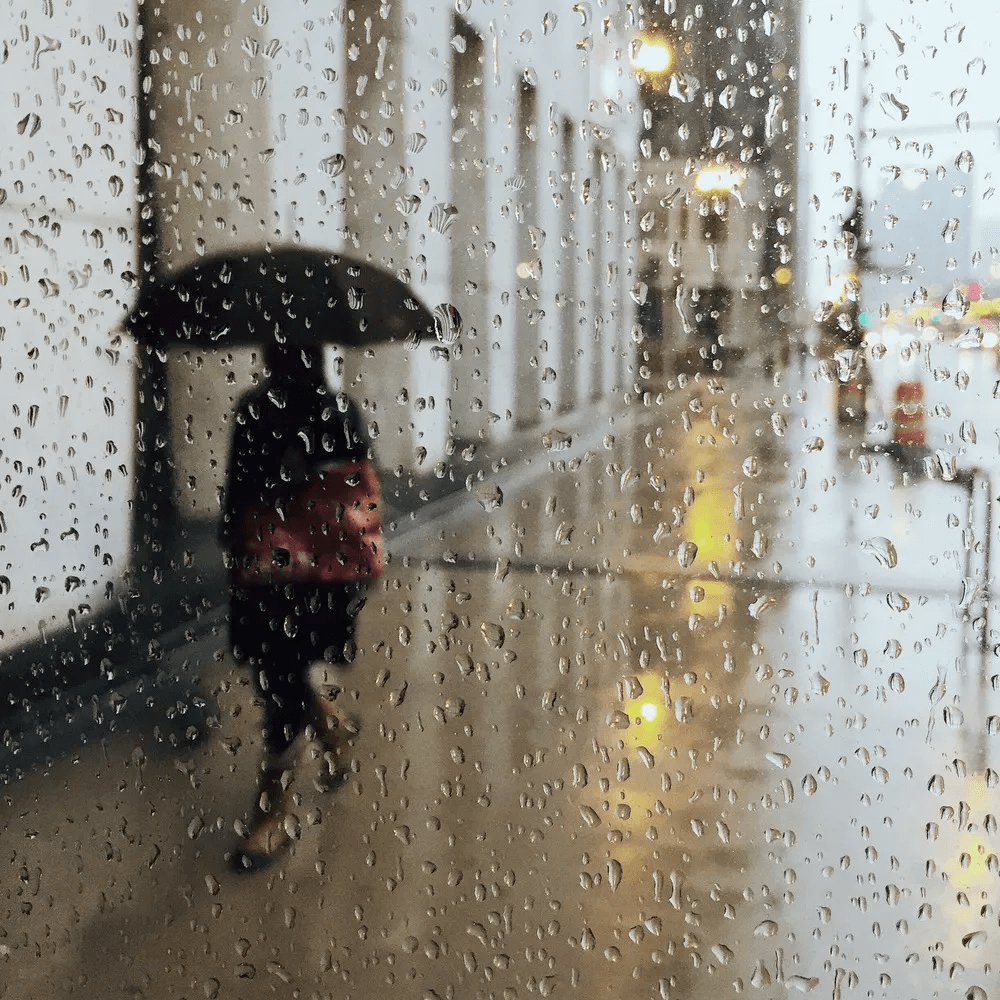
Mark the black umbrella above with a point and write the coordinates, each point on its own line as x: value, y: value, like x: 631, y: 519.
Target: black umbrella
x: 253, y: 296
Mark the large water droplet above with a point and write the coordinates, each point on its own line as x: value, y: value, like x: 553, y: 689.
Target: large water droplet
x: 684, y: 87
x: 882, y: 549
x: 950, y: 232
x: 687, y: 552
x: 441, y: 218
x: 493, y: 634
x: 761, y: 606
x: 614, y: 874
x: 333, y: 165
x: 956, y: 303
x: 965, y: 161
x: 728, y: 95
x: 893, y: 107
x: 898, y: 602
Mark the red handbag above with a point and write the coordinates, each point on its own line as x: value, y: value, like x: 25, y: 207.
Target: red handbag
x: 331, y: 532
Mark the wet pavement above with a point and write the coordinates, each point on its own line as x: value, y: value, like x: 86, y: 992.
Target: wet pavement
x: 704, y: 706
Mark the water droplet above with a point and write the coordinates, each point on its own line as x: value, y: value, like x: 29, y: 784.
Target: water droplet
x: 614, y: 874
x: 416, y: 142
x: 898, y: 602
x: 893, y: 107
x: 556, y: 440
x: 965, y: 161
x: 956, y: 303
x: 750, y: 467
x: 638, y: 292
x: 766, y: 928
x: 974, y: 940
x: 30, y: 123
x: 950, y: 231
x: 447, y: 323
x: 493, y: 634
x: 728, y: 95
x: 590, y: 817
x: 564, y: 533
x: 896, y: 682
x: 813, y: 445
x: 683, y: 709
x: 629, y: 479
x: 684, y: 87
x: 407, y: 204
x: 333, y: 165
x: 490, y: 496
x: 759, y: 545
x: 761, y: 606
x: 976, y: 993
x: 780, y: 760
x: 687, y: 552
x: 882, y: 549
x: 802, y: 984
x: 442, y: 217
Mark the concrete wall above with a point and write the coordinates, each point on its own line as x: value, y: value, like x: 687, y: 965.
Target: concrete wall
x: 67, y: 274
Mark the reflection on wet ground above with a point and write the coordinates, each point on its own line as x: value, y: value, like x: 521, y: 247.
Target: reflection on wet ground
x: 702, y: 708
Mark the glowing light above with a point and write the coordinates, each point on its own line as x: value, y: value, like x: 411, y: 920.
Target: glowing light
x: 719, y: 180
x: 783, y: 275
x: 650, y: 56
x: 649, y: 711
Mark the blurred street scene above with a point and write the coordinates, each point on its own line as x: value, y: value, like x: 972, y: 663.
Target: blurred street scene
x: 675, y: 331
x: 704, y: 702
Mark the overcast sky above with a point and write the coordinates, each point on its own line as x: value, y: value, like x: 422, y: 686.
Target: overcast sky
x: 930, y: 72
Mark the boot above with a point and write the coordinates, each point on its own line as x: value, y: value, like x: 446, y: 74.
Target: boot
x: 331, y: 730
x: 271, y: 823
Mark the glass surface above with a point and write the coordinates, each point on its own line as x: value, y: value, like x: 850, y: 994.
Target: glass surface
x: 660, y: 663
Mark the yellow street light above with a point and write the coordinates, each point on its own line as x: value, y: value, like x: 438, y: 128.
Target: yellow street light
x: 719, y: 180
x: 650, y: 55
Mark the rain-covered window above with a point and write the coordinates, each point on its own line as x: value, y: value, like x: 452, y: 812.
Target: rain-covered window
x: 498, y: 499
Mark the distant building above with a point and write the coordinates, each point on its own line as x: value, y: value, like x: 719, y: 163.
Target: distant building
x: 718, y: 165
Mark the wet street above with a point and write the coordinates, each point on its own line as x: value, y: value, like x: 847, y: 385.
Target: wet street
x: 698, y: 702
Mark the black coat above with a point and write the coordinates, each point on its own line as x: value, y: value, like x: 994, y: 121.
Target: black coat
x: 284, y: 432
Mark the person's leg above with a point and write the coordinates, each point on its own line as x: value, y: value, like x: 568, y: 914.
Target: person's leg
x: 332, y: 726
x: 277, y: 669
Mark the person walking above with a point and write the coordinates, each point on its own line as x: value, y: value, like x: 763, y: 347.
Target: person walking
x: 302, y: 533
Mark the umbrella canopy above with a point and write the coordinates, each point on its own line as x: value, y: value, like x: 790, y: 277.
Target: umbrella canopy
x: 304, y: 296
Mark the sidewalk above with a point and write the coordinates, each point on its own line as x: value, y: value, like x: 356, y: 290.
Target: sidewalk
x: 116, y: 669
